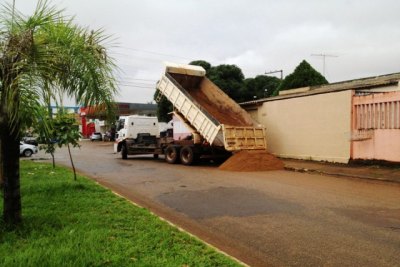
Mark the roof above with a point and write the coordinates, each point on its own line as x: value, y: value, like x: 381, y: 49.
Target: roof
x: 358, y: 84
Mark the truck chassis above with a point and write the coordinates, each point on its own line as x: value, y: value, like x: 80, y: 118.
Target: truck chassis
x: 175, y: 151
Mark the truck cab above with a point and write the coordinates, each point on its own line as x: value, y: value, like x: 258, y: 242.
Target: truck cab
x: 129, y: 128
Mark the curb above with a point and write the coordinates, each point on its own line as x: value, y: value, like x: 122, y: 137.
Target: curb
x: 294, y: 169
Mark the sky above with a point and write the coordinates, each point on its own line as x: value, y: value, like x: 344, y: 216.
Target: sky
x: 359, y: 38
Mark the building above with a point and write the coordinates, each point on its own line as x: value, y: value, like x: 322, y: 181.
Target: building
x: 339, y: 122
x: 93, y: 119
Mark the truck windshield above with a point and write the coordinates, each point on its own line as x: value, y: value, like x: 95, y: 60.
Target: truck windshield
x: 120, y: 124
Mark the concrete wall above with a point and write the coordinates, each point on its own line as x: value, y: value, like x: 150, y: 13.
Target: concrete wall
x: 316, y: 127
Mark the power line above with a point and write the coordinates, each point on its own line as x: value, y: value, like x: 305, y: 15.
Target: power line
x: 133, y: 79
x: 135, y: 85
x: 140, y: 84
x: 152, y: 52
x: 275, y: 71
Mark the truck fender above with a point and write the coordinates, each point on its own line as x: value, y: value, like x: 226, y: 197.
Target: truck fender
x: 120, y: 144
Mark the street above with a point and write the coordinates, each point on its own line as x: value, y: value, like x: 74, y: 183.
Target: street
x: 277, y: 218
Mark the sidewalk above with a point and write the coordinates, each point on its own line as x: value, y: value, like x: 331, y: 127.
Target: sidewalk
x: 381, y: 173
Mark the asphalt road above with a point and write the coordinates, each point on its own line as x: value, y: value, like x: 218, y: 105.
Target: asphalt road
x: 277, y: 218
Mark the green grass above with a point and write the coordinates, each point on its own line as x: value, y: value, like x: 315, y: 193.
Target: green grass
x: 67, y: 223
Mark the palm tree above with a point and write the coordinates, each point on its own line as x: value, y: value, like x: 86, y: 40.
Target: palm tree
x: 41, y: 57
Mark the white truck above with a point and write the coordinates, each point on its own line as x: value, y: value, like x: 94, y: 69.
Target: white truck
x: 218, y: 124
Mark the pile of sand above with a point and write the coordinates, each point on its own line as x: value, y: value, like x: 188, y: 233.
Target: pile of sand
x: 251, y: 161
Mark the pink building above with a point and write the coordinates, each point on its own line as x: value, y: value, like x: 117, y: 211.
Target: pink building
x: 376, y: 126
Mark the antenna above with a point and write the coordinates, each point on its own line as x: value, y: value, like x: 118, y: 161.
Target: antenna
x: 324, y: 56
x: 275, y: 71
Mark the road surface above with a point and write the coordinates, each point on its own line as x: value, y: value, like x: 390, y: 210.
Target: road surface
x: 277, y: 218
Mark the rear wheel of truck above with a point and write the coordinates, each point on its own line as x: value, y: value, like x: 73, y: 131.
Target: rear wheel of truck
x: 187, y: 155
x: 124, y: 151
x: 172, y: 154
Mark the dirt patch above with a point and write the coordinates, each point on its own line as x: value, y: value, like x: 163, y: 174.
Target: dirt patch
x: 250, y: 161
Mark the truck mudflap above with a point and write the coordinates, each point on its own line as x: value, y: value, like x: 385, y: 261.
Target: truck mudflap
x: 244, y: 138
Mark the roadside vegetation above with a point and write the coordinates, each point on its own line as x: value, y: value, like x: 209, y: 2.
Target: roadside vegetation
x: 79, y: 223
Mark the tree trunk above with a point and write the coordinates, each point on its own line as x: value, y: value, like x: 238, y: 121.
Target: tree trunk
x: 72, y: 162
x: 10, y: 165
x: 53, y: 160
x: 1, y: 160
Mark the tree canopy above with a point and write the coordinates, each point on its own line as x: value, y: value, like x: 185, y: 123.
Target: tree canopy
x: 229, y: 78
x: 261, y: 86
x: 303, y: 75
x: 164, y: 107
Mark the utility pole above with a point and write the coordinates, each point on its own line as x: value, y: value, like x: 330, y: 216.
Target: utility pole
x: 324, y: 56
x: 275, y: 71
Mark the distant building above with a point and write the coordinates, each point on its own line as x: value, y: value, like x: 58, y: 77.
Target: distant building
x: 137, y: 109
x: 92, y: 120
x: 338, y: 122
x: 67, y: 109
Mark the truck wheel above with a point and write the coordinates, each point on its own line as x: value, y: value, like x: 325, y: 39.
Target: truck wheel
x: 171, y: 154
x: 124, y: 152
x: 187, y: 155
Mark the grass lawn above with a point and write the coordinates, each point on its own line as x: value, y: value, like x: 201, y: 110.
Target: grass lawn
x: 67, y: 223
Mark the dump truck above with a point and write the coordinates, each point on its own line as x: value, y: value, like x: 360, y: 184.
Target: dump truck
x: 218, y: 125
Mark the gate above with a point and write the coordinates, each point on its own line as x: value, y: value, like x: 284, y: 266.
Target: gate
x: 376, y: 126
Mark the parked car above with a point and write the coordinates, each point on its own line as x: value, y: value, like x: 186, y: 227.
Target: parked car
x: 109, y: 136
x: 96, y: 137
x: 27, y: 150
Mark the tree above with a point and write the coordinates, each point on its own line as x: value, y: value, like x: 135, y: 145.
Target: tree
x: 261, y: 86
x: 44, y: 49
x: 228, y: 78
x: 164, y: 108
x: 45, y: 133
x: 303, y: 75
x: 66, y: 133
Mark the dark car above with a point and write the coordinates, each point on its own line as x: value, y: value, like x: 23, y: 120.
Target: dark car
x: 96, y: 137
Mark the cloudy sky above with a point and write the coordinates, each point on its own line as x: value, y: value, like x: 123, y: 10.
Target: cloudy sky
x: 360, y: 38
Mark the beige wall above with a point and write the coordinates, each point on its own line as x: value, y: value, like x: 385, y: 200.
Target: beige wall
x: 316, y: 127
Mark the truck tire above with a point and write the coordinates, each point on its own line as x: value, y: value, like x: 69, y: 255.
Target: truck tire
x: 124, y: 151
x: 172, y: 154
x: 187, y: 155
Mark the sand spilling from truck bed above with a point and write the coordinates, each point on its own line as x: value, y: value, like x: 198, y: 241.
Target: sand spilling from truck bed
x: 251, y: 161
x: 219, y: 105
